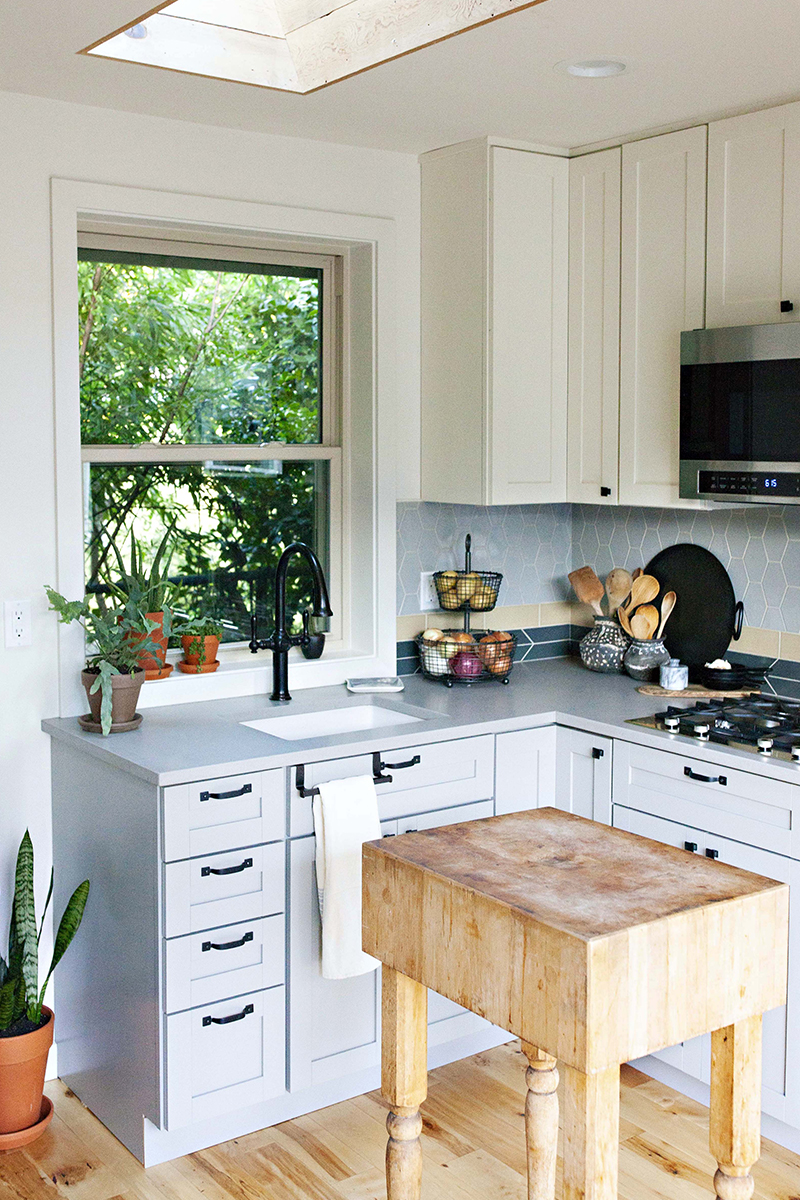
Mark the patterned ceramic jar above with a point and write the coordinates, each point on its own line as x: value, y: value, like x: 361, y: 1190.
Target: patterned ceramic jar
x: 643, y: 659
x: 603, y: 647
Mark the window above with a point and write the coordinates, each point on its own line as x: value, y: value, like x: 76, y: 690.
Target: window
x: 209, y: 388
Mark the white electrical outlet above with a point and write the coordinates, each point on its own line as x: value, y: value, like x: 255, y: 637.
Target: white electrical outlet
x: 17, y: 623
x: 428, y: 598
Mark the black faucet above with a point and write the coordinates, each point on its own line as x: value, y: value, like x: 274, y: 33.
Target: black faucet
x: 280, y: 642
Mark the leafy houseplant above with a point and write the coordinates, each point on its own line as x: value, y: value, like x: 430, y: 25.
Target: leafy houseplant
x: 26, y: 1026
x: 147, y: 590
x: 200, y: 638
x: 115, y: 639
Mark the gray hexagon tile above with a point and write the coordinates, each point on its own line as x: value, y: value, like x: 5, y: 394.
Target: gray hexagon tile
x: 535, y: 546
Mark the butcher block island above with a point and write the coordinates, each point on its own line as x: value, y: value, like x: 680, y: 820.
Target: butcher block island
x: 593, y: 946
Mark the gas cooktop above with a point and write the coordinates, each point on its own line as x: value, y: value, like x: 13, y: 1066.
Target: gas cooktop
x: 769, y: 726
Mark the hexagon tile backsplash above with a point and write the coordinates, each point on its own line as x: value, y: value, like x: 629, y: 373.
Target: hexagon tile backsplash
x: 535, y: 546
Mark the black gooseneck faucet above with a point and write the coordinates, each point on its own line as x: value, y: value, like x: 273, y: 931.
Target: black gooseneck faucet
x: 280, y: 642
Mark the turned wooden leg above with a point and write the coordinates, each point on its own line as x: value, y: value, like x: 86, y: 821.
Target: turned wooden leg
x: 591, y: 1134
x: 541, y: 1123
x: 404, y: 1080
x: 735, y: 1121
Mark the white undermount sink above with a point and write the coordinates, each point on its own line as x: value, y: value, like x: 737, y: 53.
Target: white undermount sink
x: 299, y: 726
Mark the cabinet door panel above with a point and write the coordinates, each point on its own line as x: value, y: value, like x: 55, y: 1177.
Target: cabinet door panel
x: 594, y: 263
x: 220, y: 889
x: 753, y: 213
x: 529, y: 198
x: 526, y: 770
x: 780, y: 1091
x: 583, y: 774
x: 663, y: 289
x: 220, y: 814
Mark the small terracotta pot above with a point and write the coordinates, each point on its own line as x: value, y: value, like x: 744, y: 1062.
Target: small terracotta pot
x: 23, y: 1060
x: 152, y: 661
x: 124, y: 696
x: 191, y: 650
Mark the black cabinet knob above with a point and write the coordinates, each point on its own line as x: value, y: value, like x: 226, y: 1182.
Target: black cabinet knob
x: 712, y: 853
x: 605, y: 491
x: 787, y: 306
x: 691, y: 846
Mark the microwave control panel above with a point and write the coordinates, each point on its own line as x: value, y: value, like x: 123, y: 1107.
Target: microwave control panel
x: 750, y: 483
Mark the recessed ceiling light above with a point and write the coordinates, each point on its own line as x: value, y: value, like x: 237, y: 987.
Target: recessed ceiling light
x: 136, y: 31
x: 593, y: 68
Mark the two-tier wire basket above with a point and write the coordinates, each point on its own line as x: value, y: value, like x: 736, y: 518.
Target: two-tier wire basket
x: 462, y: 655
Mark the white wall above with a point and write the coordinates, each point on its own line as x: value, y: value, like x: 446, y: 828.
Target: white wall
x: 41, y: 139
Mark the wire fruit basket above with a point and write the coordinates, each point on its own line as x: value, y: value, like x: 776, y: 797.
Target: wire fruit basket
x: 458, y: 656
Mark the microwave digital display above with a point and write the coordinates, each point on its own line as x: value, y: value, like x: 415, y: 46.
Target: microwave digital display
x: 752, y: 483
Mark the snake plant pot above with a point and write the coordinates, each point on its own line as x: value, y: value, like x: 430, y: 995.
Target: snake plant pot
x: 23, y: 1059
x: 643, y: 659
x: 603, y: 647
x: 199, y: 654
x: 124, y: 698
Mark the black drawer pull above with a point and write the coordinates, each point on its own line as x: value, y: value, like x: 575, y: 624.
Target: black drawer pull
x: 787, y: 306
x: 247, y: 937
x: 691, y: 846
x: 597, y: 752
x: 248, y: 862
x: 605, y: 491
x: 712, y: 853
x: 412, y: 762
x: 721, y: 779
x: 246, y: 1011
x: 244, y: 790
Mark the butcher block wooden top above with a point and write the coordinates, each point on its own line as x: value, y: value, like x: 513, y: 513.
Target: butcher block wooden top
x: 549, y: 924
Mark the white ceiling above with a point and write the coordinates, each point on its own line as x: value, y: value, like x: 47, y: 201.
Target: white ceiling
x: 689, y: 59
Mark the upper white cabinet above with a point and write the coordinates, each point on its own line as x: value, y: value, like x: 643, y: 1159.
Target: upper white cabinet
x: 754, y: 218
x: 594, y: 258
x: 663, y: 287
x: 494, y: 325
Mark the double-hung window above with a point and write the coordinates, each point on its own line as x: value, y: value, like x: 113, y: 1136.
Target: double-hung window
x: 210, y: 403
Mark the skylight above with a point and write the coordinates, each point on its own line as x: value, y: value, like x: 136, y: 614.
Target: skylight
x: 292, y: 45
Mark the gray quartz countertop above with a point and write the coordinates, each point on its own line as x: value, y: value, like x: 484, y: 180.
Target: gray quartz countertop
x: 184, y: 742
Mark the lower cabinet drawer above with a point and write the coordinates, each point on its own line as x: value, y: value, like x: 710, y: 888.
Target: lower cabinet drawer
x: 202, y: 968
x: 221, y: 1057
x: 219, y: 889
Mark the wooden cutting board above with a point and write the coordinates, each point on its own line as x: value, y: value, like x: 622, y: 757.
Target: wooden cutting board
x: 695, y: 692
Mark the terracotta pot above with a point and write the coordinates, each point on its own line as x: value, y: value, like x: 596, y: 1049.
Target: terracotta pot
x: 152, y: 661
x: 124, y: 696
x: 191, y: 650
x: 22, y: 1065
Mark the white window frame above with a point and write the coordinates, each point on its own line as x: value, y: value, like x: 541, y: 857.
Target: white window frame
x: 95, y: 236
x: 366, y: 247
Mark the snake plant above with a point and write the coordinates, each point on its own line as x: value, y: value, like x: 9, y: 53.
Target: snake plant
x: 20, y: 994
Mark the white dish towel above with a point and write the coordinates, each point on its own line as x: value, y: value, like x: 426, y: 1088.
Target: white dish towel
x: 345, y: 816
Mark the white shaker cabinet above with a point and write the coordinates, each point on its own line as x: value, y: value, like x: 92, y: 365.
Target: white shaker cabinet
x: 494, y: 325
x: 754, y: 218
x: 594, y: 265
x: 525, y: 770
x: 663, y: 288
x: 583, y: 774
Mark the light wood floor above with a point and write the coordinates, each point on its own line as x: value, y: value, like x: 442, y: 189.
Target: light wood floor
x: 473, y: 1147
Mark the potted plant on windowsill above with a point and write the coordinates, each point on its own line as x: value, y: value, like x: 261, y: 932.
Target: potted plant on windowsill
x: 26, y: 1024
x: 147, y: 590
x: 113, y: 678
x: 200, y: 638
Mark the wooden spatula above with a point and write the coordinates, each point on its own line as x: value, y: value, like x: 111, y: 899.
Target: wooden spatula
x: 618, y: 588
x: 667, y: 605
x: 624, y: 621
x: 588, y: 588
x: 644, y: 622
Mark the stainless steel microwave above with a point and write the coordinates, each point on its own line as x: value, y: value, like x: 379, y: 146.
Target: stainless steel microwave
x: 740, y: 414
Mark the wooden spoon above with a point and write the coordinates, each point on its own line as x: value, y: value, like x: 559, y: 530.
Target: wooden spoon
x: 624, y: 621
x: 644, y: 622
x: 588, y: 588
x: 643, y: 590
x: 618, y: 588
x: 667, y: 605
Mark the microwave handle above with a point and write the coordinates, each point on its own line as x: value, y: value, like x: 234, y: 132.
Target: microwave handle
x: 738, y: 620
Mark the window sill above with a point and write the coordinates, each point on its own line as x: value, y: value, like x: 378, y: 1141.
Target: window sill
x: 245, y: 674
